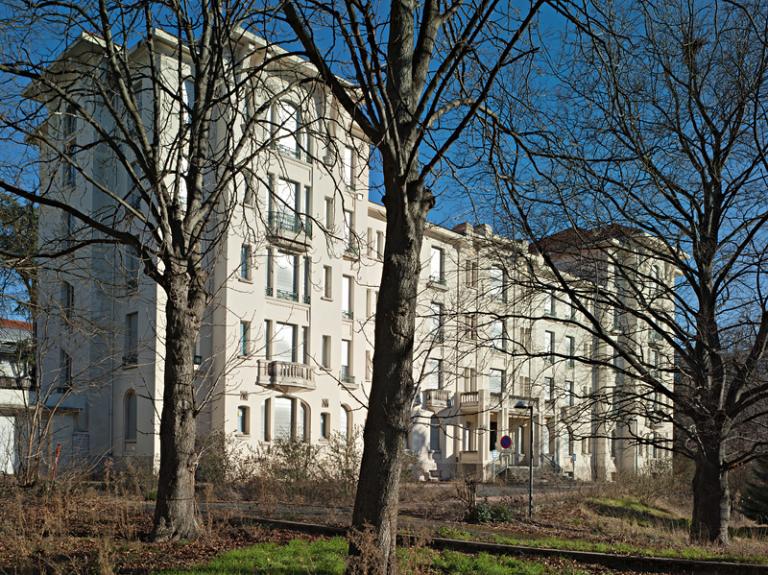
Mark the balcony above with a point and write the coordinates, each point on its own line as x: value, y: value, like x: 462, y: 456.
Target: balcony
x: 285, y: 376
x: 347, y: 379
x: 282, y: 294
x: 7, y: 382
x: 469, y: 402
x: 352, y: 250
x: 437, y: 281
x: 436, y: 399
x: 289, y: 230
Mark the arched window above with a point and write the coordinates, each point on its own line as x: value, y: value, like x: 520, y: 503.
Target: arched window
x: 283, y: 406
x: 345, y: 421
x: 434, y: 434
x: 129, y: 415
x: 243, y: 420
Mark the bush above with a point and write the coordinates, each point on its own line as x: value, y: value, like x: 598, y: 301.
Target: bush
x: 486, y: 512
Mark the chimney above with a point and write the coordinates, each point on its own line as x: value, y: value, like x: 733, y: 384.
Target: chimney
x: 484, y: 230
x: 463, y: 228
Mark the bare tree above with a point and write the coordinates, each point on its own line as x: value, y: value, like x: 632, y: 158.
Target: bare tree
x: 417, y: 76
x: 646, y: 176
x: 162, y: 94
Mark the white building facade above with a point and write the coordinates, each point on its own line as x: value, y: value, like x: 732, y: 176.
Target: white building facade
x: 286, y: 348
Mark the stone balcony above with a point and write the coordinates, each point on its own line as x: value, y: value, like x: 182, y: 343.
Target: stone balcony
x: 436, y: 399
x: 470, y: 402
x: 289, y: 230
x: 286, y: 376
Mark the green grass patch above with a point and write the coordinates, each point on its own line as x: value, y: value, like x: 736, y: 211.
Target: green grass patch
x: 327, y: 557
x: 691, y: 552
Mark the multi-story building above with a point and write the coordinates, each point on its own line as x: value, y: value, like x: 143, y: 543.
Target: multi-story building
x: 285, y: 351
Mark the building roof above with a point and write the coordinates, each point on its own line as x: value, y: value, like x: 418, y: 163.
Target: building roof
x: 579, y: 238
x: 15, y: 324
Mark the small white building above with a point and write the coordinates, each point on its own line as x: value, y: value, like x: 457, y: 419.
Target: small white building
x: 15, y: 336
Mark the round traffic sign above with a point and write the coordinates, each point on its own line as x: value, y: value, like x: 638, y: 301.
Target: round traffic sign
x: 505, y: 442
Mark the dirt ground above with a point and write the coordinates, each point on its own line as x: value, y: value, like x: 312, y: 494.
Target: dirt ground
x: 87, y: 528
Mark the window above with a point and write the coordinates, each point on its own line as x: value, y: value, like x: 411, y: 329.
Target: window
x: 243, y: 420
x: 496, y: 334
x: 345, y: 422
x: 65, y: 371
x: 573, y: 311
x: 656, y: 280
x: 67, y: 302
x: 525, y: 386
x: 245, y: 338
x: 471, y: 326
x: 246, y: 255
x: 131, y: 344
x: 325, y: 425
x: 470, y: 278
x: 437, y: 266
x: 197, y: 358
x: 266, y: 420
x: 433, y: 374
x: 249, y: 197
x: 348, y: 167
x: 526, y: 338
x: 346, y: 361
x: 286, y: 122
x: 131, y: 268
x: 549, y: 385
x: 129, y: 415
x: 307, y: 279
x: 496, y: 283
x: 285, y: 200
x: 571, y: 341
x: 551, y: 305
x: 327, y: 282
x: 268, y: 339
x: 286, y: 272
x: 434, y: 433
x: 283, y: 412
x: 69, y: 122
x: 326, y: 357
x: 496, y: 380
x: 369, y: 246
x: 438, y: 322
x: 349, y: 228
x: 470, y: 379
x: 329, y: 213
x: 549, y: 346
x: 69, y: 166
x: 570, y: 389
x: 347, y: 309
x: 302, y: 421
x: 284, y: 346
x: 380, y: 245
x: 368, y: 365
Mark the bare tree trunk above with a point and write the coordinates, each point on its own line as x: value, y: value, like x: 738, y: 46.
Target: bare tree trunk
x: 711, y: 501
x: 175, y: 516
x: 393, y: 388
